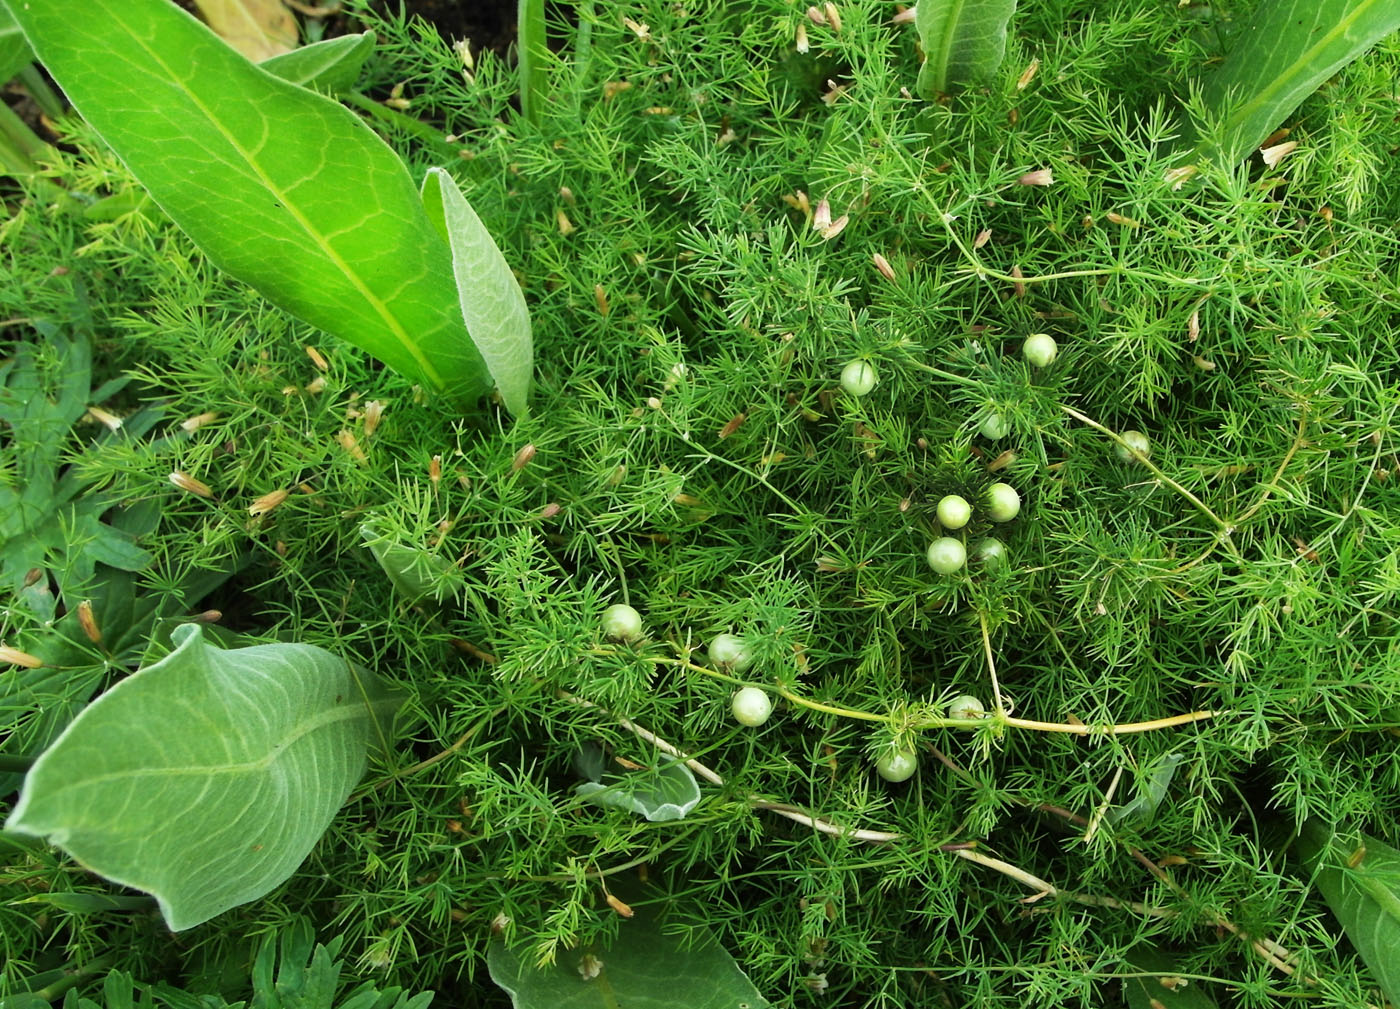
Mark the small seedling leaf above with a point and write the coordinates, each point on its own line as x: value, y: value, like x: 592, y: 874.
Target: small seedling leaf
x: 642, y: 969
x: 667, y: 792
x: 206, y: 778
x: 1157, y: 982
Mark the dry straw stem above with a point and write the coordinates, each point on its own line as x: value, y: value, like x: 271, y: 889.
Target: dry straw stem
x: 781, y: 808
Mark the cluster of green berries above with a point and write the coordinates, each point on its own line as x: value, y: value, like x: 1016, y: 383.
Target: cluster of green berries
x: 751, y: 706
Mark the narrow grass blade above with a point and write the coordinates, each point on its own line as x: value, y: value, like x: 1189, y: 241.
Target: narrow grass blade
x: 1280, y: 57
x: 281, y: 187
x: 531, y: 53
x: 963, y: 41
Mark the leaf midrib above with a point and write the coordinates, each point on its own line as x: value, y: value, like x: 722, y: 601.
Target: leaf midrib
x: 380, y: 309
x: 1296, y: 69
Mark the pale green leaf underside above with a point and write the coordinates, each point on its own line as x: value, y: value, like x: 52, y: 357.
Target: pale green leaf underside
x: 1366, y: 901
x: 283, y: 188
x: 1281, y: 56
x: 644, y: 969
x: 206, y: 778
x: 414, y: 572
x: 492, y: 305
x: 963, y: 41
x: 331, y: 64
x: 667, y: 793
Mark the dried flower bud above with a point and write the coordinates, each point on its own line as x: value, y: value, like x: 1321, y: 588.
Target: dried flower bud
x: 374, y: 412
x: 1127, y: 222
x: 654, y: 402
x: 108, y: 420
x: 1178, y: 177
x: 619, y: 906
x: 523, y: 457
x: 600, y: 297
x: 612, y: 89
x: 18, y: 658
x: 904, y: 16
x: 567, y: 195
x: 1193, y: 326
x: 316, y: 358
x: 189, y: 484
x: 801, y: 38
x: 1039, y: 177
x: 550, y: 510
x: 1018, y: 289
x: 267, y: 502
x: 88, y: 622
x: 821, y: 218
x: 816, y: 17
x: 32, y: 577
x: 833, y: 16
x: 883, y: 265
x: 835, y: 228
x: 1028, y: 74
x: 192, y: 424
x: 1273, y: 155
x: 733, y: 425
x: 214, y: 616
x: 435, y: 469
x: 983, y: 237
x: 316, y: 385
x: 347, y: 441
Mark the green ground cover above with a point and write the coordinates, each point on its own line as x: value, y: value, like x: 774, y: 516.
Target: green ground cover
x: 1185, y: 656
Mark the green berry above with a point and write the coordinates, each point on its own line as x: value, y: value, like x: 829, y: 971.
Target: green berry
x: 751, y: 706
x: 990, y: 551
x: 1135, y: 441
x: 731, y: 652
x: 858, y: 377
x: 965, y: 706
x: 995, y: 426
x: 1003, y: 503
x: 897, y: 765
x: 622, y: 623
x: 946, y: 555
x: 1039, y: 349
x: 953, y: 512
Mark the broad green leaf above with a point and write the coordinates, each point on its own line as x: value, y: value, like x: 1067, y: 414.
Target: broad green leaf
x: 1280, y: 57
x: 331, y: 64
x: 963, y: 41
x: 259, y: 29
x: 642, y: 969
x: 414, y: 572
x: 1365, y: 898
x: 282, y: 187
x: 492, y: 305
x: 667, y: 793
x: 1149, y: 992
x: 206, y: 778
